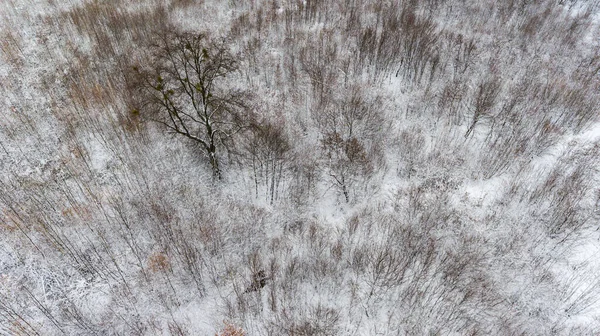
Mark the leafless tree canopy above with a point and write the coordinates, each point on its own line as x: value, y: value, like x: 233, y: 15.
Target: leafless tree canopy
x: 184, y: 88
x: 388, y: 167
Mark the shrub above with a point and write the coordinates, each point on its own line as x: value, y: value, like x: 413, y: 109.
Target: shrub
x: 231, y: 330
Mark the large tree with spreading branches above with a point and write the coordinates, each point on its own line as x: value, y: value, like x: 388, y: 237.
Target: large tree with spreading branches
x: 184, y: 87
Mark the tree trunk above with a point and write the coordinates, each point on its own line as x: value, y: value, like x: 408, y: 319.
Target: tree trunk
x: 278, y: 181
x: 214, y: 162
x: 345, y: 191
x: 273, y: 173
x: 255, y: 177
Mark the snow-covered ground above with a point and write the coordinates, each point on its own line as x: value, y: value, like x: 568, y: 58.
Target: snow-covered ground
x: 434, y: 171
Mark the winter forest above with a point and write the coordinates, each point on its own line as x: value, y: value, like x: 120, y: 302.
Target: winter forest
x: 299, y: 167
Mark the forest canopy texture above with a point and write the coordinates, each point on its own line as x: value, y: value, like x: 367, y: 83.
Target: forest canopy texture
x: 283, y: 167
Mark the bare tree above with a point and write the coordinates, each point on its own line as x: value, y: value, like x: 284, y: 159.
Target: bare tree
x: 268, y: 149
x: 351, y: 127
x: 183, y: 89
x: 486, y: 97
x: 347, y: 160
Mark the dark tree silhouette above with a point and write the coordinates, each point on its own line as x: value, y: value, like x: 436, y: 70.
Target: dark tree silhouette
x: 183, y: 87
